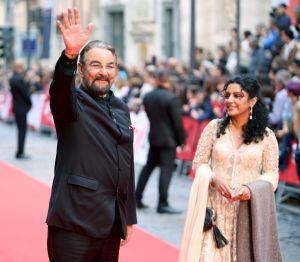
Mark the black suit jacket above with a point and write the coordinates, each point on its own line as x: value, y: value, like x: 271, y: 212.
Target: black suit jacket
x: 94, y: 169
x: 20, y: 91
x: 164, y: 112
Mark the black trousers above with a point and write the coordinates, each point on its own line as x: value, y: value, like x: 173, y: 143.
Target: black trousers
x: 68, y: 246
x: 164, y: 158
x: 21, y: 121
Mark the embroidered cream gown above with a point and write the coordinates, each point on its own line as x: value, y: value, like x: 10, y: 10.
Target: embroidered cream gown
x: 238, y: 166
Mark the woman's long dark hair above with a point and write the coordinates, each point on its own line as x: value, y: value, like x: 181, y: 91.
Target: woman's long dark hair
x: 255, y: 129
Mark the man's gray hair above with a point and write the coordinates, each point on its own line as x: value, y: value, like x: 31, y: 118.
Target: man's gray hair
x: 96, y: 44
x: 283, y: 76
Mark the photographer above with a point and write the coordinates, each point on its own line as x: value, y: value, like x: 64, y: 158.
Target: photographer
x: 282, y: 19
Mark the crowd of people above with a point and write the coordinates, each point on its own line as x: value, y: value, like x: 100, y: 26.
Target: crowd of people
x: 271, y: 53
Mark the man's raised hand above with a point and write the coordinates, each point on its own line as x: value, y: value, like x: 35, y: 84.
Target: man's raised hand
x: 73, y: 34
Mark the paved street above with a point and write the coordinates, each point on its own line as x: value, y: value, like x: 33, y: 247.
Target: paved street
x: 169, y: 228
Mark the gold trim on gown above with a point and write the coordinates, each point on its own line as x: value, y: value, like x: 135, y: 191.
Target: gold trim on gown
x: 239, y: 166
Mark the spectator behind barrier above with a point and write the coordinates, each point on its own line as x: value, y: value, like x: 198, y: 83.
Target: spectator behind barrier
x: 288, y: 52
x: 286, y: 134
x: 280, y: 16
x: 282, y: 77
x: 297, y: 135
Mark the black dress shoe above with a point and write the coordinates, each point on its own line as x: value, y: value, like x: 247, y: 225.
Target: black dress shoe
x: 141, y: 205
x: 22, y: 156
x: 168, y: 210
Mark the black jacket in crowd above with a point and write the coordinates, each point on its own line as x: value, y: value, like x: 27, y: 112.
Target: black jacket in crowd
x: 20, y: 91
x: 94, y: 169
x: 164, y: 112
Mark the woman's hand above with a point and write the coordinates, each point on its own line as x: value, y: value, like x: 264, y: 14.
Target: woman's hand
x: 241, y: 194
x: 222, y: 185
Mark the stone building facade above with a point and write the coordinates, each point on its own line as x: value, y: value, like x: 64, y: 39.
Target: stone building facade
x: 140, y: 29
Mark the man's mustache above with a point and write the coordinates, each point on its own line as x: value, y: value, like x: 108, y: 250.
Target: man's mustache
x: 102, y: 78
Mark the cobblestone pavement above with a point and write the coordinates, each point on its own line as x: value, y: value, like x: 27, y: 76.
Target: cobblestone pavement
x: 166, y: 227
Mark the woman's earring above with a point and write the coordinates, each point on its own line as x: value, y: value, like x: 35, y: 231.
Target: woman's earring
x: 250, y: 117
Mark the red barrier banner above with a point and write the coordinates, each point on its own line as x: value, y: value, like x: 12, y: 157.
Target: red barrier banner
x: 34, y: 115
x: 46, y: 115
x: 193, y: 130
x: 140, y: 126
x: 6, y: 113
x: 290, y: 176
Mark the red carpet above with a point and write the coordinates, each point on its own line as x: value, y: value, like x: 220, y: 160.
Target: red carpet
x: 23, y: 208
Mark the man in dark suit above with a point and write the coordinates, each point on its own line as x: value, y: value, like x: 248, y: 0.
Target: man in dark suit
x: 166, y: 133
x: 92, y: 203
x: 20, y: 90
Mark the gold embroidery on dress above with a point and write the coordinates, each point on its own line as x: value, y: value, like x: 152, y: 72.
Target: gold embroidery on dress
x: 239, y: 166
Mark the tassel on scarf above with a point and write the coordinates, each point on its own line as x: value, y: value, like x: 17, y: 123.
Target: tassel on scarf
x: 220, y: 239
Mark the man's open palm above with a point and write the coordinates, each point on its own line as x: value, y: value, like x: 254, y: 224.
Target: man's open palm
x: 73, y: 34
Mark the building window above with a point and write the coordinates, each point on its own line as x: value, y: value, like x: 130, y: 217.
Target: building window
x: 168, y: 41
x: 116, y: 19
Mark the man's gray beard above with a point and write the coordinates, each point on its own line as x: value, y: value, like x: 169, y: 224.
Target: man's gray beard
x: 96, y: 91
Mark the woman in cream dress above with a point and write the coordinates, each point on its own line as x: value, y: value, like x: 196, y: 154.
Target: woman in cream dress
x: 231, y: 152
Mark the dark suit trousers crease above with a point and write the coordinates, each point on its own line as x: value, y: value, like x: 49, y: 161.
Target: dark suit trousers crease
x: 68, y: 246
x: 164, y: 158
x: 21, y: 121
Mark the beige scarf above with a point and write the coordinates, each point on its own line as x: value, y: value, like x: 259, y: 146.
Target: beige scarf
x: 192, y: 235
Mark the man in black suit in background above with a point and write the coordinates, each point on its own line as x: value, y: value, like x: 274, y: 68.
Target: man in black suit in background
x: 92, y: 204
x: 20, y: 91
x: 166, y: 133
